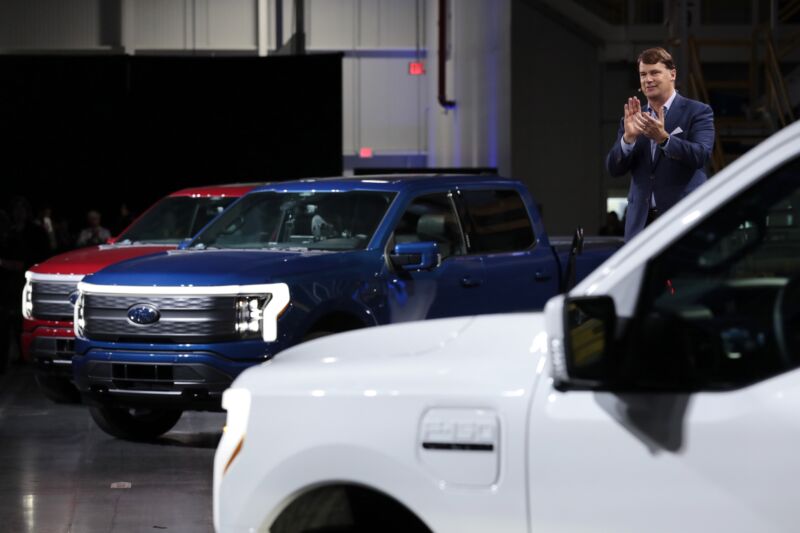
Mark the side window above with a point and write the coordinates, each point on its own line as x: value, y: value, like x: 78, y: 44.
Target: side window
x: 721, y: 307
x: 496, y: 221
x: 431, y: 218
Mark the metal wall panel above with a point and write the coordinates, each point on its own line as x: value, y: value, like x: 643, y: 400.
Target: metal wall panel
x: 163, y: 24
x: 231, y: 24
x: 351, y: 108
x: 331, y: 24
x: 383, y: 106
x: 390, y: 106
x: 396, y: 23
x: 49, y: 24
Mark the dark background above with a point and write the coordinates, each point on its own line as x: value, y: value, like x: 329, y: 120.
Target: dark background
x: 93, y: 132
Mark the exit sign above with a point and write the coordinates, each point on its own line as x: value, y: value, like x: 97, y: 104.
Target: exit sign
x: 416, y: 68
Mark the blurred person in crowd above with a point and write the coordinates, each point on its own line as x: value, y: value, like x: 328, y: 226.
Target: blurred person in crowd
x: 6, y: 299
x: 124, y: 219
x: 64, y: 237
x: 23, y: 244
x: 45, y: 221
x: 613, y: 226
x: 94, y: 233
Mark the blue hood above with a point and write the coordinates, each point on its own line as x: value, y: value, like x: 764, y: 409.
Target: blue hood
x: 219, y: 267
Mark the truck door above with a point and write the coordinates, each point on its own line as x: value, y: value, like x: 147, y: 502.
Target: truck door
x: 453, y: 288
x: 520, y: 274
x: 719, y: 317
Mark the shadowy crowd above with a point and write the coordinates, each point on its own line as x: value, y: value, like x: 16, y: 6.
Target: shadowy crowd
x: 27, y: 238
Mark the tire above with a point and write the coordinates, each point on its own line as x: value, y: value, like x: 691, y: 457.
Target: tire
x: 58, y: 390
x: 135, y: 424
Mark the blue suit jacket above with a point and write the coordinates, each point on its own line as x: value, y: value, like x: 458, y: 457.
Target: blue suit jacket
x: 675, y: 171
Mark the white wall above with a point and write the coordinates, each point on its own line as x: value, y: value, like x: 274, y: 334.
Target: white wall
x: 180, y: 25
x: 558, y: 103
x: 477, y: 131
x: 383, y: 106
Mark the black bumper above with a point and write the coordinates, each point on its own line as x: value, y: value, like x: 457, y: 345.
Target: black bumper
x: 190, y: 386
x: 52, y: 356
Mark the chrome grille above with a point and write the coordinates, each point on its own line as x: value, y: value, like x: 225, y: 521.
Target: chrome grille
x: 194, y: 319
x: 51, y: 299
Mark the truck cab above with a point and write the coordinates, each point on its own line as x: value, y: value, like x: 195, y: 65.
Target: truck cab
x: 299, y: 260
x: 660, y: 394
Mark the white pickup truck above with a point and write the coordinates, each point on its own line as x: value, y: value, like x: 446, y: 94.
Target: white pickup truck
x: 662, y: 394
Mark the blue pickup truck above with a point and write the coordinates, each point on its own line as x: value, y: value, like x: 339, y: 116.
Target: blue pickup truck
x: 297, y: 260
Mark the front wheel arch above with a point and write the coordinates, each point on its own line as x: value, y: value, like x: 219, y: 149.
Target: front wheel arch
x: 347, y: 508
x: 335, y: 322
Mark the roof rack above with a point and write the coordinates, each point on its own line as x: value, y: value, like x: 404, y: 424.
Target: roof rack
x: 424, y: 170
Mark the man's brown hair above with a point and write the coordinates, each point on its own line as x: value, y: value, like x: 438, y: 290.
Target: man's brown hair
x: 651, y: 56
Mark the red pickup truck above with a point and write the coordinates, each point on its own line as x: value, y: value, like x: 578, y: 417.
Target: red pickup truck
x: 48, y: 298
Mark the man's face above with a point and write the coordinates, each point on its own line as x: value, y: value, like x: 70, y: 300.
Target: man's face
x: 657, y: 81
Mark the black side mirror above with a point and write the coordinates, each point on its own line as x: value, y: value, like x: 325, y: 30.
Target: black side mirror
x: 587, y: 359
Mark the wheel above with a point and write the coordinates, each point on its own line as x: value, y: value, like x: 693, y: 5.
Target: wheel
x: 58, y: 389
x: 135, y: 424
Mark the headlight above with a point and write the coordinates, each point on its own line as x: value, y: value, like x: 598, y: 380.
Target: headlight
x: 79, y: 320
x: 250, y: 315
x: 27, y: 297
x: 237, y: 403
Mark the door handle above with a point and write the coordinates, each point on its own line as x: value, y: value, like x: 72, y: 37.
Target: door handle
x: 542, y: 276
x: 468, y: 281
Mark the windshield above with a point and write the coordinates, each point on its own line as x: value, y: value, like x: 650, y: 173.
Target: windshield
x: 310, y: 220
x: 173, y: 219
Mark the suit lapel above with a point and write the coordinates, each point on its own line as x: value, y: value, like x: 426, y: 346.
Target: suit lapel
x: 674, y: 114
x: 672, y: 118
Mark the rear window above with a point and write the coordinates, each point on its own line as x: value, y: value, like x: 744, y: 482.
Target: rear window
x: 496, y: 221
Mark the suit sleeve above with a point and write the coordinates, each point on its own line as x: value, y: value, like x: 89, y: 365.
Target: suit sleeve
x: 617, y: 163
x: 694, y: 150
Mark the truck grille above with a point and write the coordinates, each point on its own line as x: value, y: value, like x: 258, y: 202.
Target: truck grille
x: 51, y: 299
x: 182, y: 319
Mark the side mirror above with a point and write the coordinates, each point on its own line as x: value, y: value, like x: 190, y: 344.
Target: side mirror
x: 184, y: 244
x: 585, y: 359
x: 416, y: 255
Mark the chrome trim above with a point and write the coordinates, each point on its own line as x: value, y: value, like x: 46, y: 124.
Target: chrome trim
x: 146, y: 392
x: 34, y: 276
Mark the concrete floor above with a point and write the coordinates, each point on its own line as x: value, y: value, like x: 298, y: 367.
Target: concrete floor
x: 57, y: 469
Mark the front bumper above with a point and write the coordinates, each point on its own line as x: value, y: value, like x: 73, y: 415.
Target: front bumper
x: 51, y: 345
x: 188, y: 377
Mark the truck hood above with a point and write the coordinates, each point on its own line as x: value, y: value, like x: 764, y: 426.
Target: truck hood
x: 490, y: 355
x: 89, y: 260
x: 216, y: 267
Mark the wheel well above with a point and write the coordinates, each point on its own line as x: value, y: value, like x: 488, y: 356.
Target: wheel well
x: 336, y: 323
x: 347, y: 508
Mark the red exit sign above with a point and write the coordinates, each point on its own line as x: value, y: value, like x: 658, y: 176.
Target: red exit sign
x: 416, y: 68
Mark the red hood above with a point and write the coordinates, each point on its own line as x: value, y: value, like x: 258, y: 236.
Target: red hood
x: 89, y: 260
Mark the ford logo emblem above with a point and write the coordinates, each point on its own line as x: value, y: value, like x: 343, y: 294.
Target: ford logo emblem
x: 143, y: 314
x: 73, y: 297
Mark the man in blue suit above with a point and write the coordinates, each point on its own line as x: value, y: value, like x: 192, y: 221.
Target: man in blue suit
x: 664, y: 146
